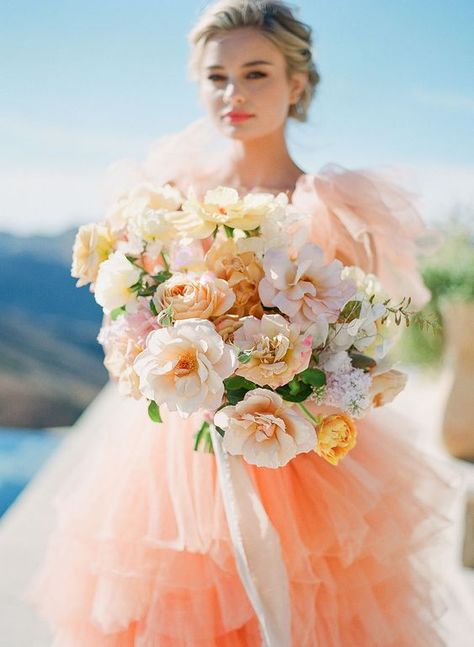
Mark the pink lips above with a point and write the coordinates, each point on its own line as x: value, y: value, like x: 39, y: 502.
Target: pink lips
x: 237, y: 117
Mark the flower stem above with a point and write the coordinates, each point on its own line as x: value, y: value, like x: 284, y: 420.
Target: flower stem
x: 165, y: 261
x: 308, y: 413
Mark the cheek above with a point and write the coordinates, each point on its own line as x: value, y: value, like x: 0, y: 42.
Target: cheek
x: 274, y: 98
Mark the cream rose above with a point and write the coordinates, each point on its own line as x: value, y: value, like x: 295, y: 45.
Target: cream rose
x: 93, y: 245
x: 184, y: 366
x: 337, y: 435
x: 386, y: 386
x: 277, y: 350
x: 115, y: 277
x: 264, y: 430
x: 222, y: 206
x: 243, y: 272
x: 191, y: 296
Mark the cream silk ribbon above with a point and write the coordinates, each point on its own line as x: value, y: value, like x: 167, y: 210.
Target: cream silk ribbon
x: 256, y: 546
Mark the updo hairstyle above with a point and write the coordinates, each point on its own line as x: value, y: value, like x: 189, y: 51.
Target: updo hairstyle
x: 277, y: 22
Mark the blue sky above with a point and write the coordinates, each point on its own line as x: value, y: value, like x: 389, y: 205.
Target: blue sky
x: 85, y: 83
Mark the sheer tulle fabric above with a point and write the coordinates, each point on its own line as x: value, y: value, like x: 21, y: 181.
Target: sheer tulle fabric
x: 142, y: 553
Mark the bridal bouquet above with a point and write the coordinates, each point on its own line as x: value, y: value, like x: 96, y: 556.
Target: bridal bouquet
x: 225, y: 305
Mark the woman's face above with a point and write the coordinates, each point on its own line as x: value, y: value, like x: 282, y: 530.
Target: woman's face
x: 244, y: 84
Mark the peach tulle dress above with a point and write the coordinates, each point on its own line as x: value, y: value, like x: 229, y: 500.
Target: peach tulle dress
x: 142, y: 553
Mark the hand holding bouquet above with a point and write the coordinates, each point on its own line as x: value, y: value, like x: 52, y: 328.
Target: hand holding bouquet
x: 224, y: 305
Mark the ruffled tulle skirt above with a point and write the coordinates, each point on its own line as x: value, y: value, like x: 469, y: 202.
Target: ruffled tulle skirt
x: 142, y: 555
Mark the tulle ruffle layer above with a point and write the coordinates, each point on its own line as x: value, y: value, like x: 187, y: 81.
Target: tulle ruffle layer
x: 142, y: 554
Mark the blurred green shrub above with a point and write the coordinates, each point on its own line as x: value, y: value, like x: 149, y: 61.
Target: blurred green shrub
x: 449, y: 274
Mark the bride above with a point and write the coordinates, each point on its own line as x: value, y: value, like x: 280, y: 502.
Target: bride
x: 147, y: 550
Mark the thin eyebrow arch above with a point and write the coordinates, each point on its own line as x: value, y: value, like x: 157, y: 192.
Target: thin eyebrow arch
x: 249, y: 64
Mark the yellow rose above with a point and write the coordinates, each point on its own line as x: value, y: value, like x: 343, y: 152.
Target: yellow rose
x: 223, y: 206
x: 337, y: 435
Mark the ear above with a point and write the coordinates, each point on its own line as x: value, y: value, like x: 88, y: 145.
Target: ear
x: 298, y: 82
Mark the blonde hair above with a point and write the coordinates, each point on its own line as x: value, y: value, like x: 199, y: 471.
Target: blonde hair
x: 277, y: 21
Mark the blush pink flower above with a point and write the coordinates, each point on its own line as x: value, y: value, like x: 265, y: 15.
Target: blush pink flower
x: 184, y: 366
x: 305, y: 288
x: 123, y: 340
x: 278, y: 350
x: 265, y: 430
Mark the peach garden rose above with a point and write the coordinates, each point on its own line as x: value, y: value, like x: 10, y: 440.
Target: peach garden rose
x: 264, y: 429
x: 242, y: 270
x: 193, y: 296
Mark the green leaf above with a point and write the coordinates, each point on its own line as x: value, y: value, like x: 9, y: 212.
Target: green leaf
x: 238, y: 382
x: 200, y: 435
x: 162, y: 276
x: 117, y: 312
x: 303, y: 394
x: 147, y: 291
x: 350, y: 311
x: 229, y: 231
x: 313, y: 376
x: 132, y: 260
x: 244, y: 358
x: 154, y: 411
x: 165, y: 317
x: 237, y: 396
x: 153, y: 308
x: 358, y: 360
x: 220, y: 431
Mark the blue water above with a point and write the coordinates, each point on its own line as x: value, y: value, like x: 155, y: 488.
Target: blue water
x: 22, y: 453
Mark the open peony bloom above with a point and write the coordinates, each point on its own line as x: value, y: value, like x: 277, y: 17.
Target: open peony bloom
x: 92, y: 246
x: 223, y: 206
x: 277, y: 350
x: 243, y: 272
x: 184, y: 366
x: 264, y: 429
x: 115, y: 278
x: 193, y: 296
x: 306, y: 288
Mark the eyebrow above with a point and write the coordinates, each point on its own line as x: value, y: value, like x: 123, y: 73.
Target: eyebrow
x: 249, y: 64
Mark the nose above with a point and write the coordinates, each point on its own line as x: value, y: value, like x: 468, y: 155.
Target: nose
x: 233, y: 94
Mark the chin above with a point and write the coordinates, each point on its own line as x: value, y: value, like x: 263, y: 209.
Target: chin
x: 245, y: 131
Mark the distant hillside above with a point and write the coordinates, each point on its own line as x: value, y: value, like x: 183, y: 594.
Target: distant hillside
x: 50, y: 361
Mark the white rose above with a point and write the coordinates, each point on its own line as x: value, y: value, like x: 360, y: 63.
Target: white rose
x: 114, y: 280
x: 184, y: 366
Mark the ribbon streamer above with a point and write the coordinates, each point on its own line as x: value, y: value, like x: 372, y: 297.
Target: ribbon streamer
x: 256, y: 546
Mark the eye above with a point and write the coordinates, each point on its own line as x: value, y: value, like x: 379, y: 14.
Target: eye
x: 256, y: 74
x: 216, y: 78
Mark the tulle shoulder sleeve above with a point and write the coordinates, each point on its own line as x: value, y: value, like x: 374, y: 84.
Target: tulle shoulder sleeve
x: 365, y: 218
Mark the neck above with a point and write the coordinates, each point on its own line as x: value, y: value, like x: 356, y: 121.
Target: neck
x: 263, y: 162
